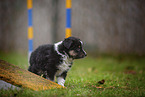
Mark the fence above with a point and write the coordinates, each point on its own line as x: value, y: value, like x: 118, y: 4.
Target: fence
x: 106, y: 26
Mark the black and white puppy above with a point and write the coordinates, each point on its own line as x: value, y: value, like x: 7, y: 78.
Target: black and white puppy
x: 55, y: 60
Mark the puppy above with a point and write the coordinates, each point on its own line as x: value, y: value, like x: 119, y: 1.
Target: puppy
x: 56, y: 59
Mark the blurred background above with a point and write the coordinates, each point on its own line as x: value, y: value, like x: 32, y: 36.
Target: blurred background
x: 113, y: 32
x: 105, y: 26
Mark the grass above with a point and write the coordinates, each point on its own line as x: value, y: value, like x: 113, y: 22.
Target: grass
x: 123, y: 75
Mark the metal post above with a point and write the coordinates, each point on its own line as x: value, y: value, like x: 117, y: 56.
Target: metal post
x: 68, y: 19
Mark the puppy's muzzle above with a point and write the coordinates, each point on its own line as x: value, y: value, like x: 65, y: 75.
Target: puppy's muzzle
x: 84, y: 54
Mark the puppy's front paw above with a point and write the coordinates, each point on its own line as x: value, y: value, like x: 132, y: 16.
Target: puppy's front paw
x: 61, y: 81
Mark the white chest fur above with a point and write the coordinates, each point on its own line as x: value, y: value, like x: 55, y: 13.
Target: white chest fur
x: 64, y: 66
x: 66, y: 61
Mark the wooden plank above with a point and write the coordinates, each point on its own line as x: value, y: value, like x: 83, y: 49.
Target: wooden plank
x: 20, y: 77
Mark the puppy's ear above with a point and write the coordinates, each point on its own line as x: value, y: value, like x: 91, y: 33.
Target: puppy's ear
x: 67, y: 43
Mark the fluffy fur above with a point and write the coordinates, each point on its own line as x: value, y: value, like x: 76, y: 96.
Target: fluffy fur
x: 56, y: 59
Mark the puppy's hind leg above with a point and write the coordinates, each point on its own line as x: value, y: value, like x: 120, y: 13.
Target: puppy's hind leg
x: 51, y: 79
x: 50, y: 76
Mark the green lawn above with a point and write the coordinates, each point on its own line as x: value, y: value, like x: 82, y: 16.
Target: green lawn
x: 123, y: 75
